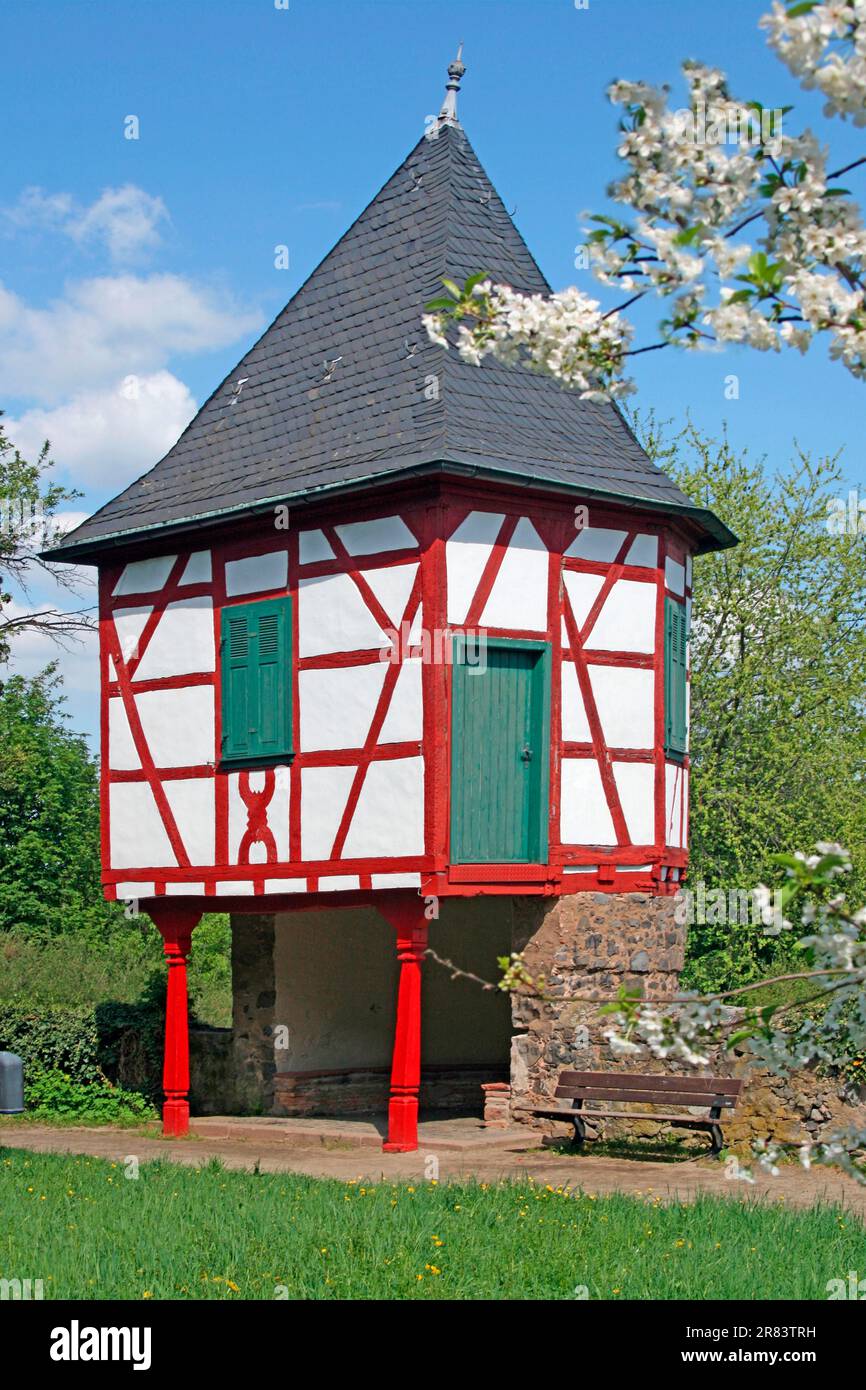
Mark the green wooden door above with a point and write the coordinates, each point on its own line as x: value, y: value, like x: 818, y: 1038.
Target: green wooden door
x: 500, y: 752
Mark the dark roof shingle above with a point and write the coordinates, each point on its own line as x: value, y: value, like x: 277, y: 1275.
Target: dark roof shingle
x: 296, y: 429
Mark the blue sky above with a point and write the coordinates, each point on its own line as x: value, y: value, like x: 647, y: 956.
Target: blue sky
x: 150, y: 262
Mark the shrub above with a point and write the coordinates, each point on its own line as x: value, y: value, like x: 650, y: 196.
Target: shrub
x: 55, y: 1095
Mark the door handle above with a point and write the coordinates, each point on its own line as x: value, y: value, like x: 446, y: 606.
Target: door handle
x: 526, y: 755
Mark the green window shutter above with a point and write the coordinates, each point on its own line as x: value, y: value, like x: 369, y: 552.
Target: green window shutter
x: 676, y: 640
x: 256, y: 646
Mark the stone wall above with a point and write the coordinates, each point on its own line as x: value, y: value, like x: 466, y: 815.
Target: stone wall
x: 585, y: 944
x: 588, y: 944
x: 323, y: 984
x: 444, y: 1089
x: 254, y: 997
x: 212, y: 1071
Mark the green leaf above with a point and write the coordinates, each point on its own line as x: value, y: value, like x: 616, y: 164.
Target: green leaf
x: 689, y: 235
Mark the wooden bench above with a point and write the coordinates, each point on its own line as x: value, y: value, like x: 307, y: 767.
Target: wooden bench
x: 714, y: 1093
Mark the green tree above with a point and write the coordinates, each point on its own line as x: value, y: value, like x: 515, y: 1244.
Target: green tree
x: 778, y: 656
x: 28, y: 505
x: 49, y: 816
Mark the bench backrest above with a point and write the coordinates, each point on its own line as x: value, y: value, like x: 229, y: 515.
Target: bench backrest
x: 716, y: 1091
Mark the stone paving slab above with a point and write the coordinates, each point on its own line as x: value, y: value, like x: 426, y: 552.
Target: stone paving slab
x: 679, y: 1181
x: 461, y: 1134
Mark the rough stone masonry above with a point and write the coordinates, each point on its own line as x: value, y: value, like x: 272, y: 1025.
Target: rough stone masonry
x: 588, y: 944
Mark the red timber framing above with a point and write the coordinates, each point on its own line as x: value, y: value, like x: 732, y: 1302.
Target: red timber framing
x: 432, y: 512
x: 405, y: 912
x: 175, y: 923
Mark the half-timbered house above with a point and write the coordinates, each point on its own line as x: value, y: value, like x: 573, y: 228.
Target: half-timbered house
x: 392, y: 647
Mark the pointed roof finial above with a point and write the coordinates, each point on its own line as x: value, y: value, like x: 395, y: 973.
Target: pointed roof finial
x: 448, y: 114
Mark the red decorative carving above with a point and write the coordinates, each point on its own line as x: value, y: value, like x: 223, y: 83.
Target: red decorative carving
x: 258, y: 831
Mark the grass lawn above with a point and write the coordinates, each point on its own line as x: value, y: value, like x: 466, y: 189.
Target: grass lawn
x: 90, y: 1232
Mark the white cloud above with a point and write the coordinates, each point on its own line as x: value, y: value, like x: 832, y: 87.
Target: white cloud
x: 124, y: 220
x: 107, y: 327
x: 108, y: 436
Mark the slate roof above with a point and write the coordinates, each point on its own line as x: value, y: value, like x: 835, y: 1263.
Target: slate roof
x: 297, y: 431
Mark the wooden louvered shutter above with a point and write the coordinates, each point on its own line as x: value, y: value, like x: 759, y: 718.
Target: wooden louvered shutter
x: 676, y: 644
x: 256, y: 681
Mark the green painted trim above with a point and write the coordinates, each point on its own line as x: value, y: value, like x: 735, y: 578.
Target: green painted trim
x: 675, y: 661
x: 245, y: 749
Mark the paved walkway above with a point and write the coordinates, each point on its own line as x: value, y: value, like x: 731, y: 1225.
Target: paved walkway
x: 462, y: 1149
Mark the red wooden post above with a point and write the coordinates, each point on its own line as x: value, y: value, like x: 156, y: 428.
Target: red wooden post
x: 406, y: 915
x: 175, y: 924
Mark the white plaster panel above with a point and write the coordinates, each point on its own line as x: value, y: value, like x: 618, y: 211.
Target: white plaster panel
x: 673, y: 798
x: 395, y: 880
x: 518, y: 598
x: 580, y: 869
x: 582, y: 591
x: 184, y: 890
x: 257, y: 573
x: 337, y: 883
x: 635, y: 783
x: 575, y: 725
x: 313, y: 546
x: 625, y: 700
x: 404, y: 721
x: 369, y: 537
x: 337, y: 704
x: 285, y: 885
x: 137, y: 834
x: 585, y: 818
x: 675, y: 576
x: 178, y: 725
x: 688, y: 571
x: 145, y: 576
x: 323, y: 798
x: 277, y: 815
x: 198, y: 568
x: 129, y: 623
x: 389, y: 816
x: 182, y: 641
x: 466, y: 554
x: 596, y: 543
x: 125, y: 891
x: 684, y: 838
x: 192, y: 803
x: 235, y: 888
x: 122, y: 756
x: 627, y: 620
x: 392, y: 586
x: 644, y: 550
x: 333, y: 617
